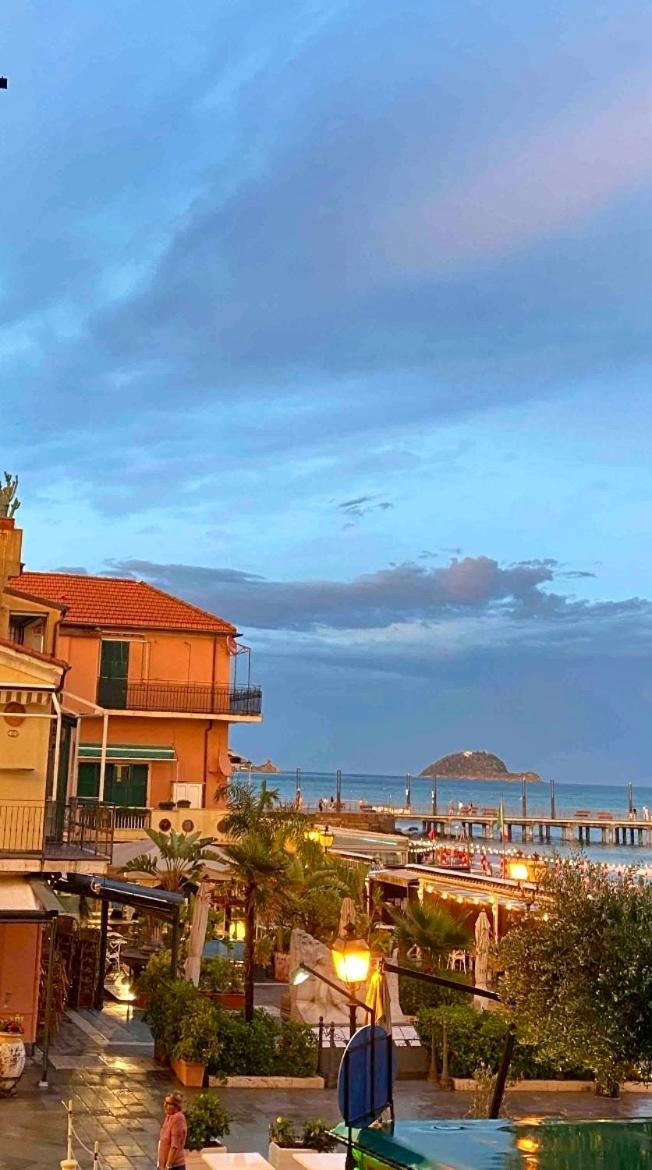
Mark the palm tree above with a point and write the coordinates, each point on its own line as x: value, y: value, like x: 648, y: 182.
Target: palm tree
x: 432, y: 929
x: 182, y: 856
x: 262, y: 834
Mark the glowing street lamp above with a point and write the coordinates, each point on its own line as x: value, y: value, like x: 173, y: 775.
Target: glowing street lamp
x: 237, y: 930
x: 518, y: 871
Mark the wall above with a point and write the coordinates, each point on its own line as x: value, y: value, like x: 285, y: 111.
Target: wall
x: 20, y: 957
x: 187, y: 736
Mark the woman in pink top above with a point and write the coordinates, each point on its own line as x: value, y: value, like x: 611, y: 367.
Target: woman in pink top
x: 172, y: 1138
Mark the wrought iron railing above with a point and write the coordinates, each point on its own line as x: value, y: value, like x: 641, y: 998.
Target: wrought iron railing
x: 49, y: 828
x: 22, y: 825
x: 191, y: 698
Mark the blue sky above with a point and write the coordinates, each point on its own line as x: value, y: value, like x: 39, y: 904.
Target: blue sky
x: 334, y: 318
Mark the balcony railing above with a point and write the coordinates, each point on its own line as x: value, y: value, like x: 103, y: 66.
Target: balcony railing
x: 132, y: 818
x: 46, y: 828
x: 189, y: 698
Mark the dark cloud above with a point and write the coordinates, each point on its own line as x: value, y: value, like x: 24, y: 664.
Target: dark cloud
x: 357, y: 508
x: 473, y: 587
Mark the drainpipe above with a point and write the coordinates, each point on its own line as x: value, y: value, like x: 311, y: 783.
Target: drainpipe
x: 57, y: 747
x: 105, y: 735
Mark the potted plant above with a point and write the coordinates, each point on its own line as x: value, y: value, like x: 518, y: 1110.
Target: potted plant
x: 284, y: 1142
x: 167, y: 804
x: 12, y: 1053
x: 170, y: 1001
x: 197, y: 1044
x: 208, y: 1122
x: 183, y: 804
x: 221, y: 981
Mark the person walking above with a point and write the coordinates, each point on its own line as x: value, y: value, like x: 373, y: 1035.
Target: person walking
x: 172, y: 1138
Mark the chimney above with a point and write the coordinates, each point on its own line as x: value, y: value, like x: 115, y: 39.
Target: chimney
x: 11, y: 543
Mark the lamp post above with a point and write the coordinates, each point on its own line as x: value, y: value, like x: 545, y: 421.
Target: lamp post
x: 351, y: 959
x: 303, y: 972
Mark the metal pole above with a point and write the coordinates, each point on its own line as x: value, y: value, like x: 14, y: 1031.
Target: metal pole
x: 174, y: 958
x: 298, y: 782
x: 352, y: 1023
x: 445, y: 1079
x: 523, y: 796
x: 101, y: 970
x: 630, y: 797
x: 43, y: 1083
x: 434, y: 796
x: 553, y: 802
x: 338, y: 789
x: 408, y: 790
x: 501, y: 1076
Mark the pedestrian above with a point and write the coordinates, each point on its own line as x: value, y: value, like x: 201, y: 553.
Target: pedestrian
x: 646, y: 813
x: 320, y: 806
x: 172, y: 1138
x: 332, y: 803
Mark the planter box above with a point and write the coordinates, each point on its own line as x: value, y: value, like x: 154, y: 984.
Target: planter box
x: 195, y: 1158
x: 233, y: 1001
x: 161, y: 1054
x: 282, y: 1157
x: 266, y: 1082
x: 468, y: 1085
x: 189, y: 1073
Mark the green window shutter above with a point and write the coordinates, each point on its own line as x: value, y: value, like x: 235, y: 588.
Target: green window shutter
x: 114, y: 671
x: 88, y: 780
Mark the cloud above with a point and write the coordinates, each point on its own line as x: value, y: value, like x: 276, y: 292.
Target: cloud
x: 469, y: 603
x: 361, y: 506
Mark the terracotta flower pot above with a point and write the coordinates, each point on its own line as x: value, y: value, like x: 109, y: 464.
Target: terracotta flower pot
x: 233, y: 1001
x: 190, y: 1073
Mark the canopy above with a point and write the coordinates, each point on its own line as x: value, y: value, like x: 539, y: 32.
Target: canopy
x: 127, y: 751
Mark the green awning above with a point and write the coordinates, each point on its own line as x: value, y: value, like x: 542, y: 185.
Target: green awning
x: 126, y: 751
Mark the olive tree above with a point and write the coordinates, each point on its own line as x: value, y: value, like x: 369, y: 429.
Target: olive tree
x: 577, y: 974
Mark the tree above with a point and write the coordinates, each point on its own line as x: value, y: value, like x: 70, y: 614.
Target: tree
x: 182, y: 856
x: 432, y: 929
x: 577, y: 978
x: 262, y: 832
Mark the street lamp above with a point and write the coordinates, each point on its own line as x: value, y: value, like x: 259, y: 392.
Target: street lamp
x: 351, y: 959
x: 303, y: 972
x: 518, y: 871
x: 322, y: 837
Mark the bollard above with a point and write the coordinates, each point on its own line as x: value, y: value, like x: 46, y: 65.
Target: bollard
x: 69, y: 1164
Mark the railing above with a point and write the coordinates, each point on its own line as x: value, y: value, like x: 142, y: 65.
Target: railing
x: 133, y: 818
x: 79, y: 829
x: 21, y: 828
x: 46, y: 828
x: 191, y: 698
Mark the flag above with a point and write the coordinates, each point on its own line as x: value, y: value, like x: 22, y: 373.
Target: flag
x: 234, y: 647
x: 501, y: 820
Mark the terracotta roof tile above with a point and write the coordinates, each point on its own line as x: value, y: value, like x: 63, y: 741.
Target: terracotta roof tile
x: 31, y: 653
x: 118, y: 602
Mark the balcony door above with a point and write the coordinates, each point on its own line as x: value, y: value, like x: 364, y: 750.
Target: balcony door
x: 124, y: 784
x: 114, y: 673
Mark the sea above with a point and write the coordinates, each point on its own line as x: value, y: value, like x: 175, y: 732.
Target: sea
x: 392, y: 791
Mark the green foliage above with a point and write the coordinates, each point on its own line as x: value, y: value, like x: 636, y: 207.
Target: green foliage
x: 476, y: 1040
x: 578, y: 982
x: 220, y: 974
x: 170, y: 1001
x: 432, y: 929
x: 263, y: 950
x: 156, y: 971
x: 198, y: 1034
x: 315, y: 1136
x: 415, y: 995
x: 282, y: 1132
x: 182, y: 856
x: 263, y: 1047
x: 208, y: 1121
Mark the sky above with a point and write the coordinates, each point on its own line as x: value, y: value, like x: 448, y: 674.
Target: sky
x: 333, y: 318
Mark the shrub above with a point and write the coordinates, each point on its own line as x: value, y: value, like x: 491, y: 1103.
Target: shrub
x: 170, y: 1002
x: 198, y: 1034
x: 156, y: 971
x: 317, y: 1136
x: 415, y: 995
x: 265, y: 1047
x: 208, y: 1121
x: 219, y: 974
x: 282, y: 1132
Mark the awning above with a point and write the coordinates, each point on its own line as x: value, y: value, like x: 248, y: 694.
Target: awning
x: 161, y: 902
x: 126, y: 751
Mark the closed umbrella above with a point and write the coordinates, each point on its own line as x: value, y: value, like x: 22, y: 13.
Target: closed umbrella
x: 347, y: 915
x: 197, y: 935
x: 482, y: 936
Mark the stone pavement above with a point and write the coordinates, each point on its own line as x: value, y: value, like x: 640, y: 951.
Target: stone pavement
x: 122, y: 1111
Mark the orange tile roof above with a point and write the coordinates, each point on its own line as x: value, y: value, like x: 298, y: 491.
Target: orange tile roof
x: 118, y: 602
x: 30, y: 652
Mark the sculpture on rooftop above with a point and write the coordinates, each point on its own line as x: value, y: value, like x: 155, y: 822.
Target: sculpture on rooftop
x: 9, y: 503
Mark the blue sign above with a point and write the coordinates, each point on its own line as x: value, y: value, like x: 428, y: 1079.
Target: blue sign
x: 366, y: 1077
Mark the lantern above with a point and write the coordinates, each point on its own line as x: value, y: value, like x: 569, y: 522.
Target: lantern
x: 351, y: 957
x: 237, y: 930
x: 518, y: 871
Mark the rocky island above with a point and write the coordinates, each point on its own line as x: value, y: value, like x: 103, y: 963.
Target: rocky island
x: 476, y: 765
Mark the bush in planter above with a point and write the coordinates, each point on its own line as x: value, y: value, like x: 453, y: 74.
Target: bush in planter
x: 315, y: 1135
x: 415, y: 995
x: 171, y: 1001
x: 220, y: 974
x: 282, y: 1132
x: 296, y: 1050
x: 265, y: 1047
x: 198, y: 1042
x: 208, y: 1121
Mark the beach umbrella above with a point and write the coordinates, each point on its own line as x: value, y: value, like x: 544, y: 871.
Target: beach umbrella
x: 347, y: 915
x: 197, y: 935
x: 378, y: 998
x: 482, y: 937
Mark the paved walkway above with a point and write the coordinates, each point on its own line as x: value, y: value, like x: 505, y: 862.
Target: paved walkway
x: 117, y: 1092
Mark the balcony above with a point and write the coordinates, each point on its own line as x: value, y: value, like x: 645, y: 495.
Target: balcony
x: 186, y: 698
x: 47, y: 829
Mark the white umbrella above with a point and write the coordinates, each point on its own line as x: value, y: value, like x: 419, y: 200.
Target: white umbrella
x: 347, y: 915
x: 482, y: 937
x: 197, y: 936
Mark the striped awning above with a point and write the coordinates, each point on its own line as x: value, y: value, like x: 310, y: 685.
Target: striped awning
x: 127, y: 751
x: 25, y: 696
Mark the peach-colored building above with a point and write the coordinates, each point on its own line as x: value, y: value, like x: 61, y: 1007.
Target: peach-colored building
x: 152, y: 682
